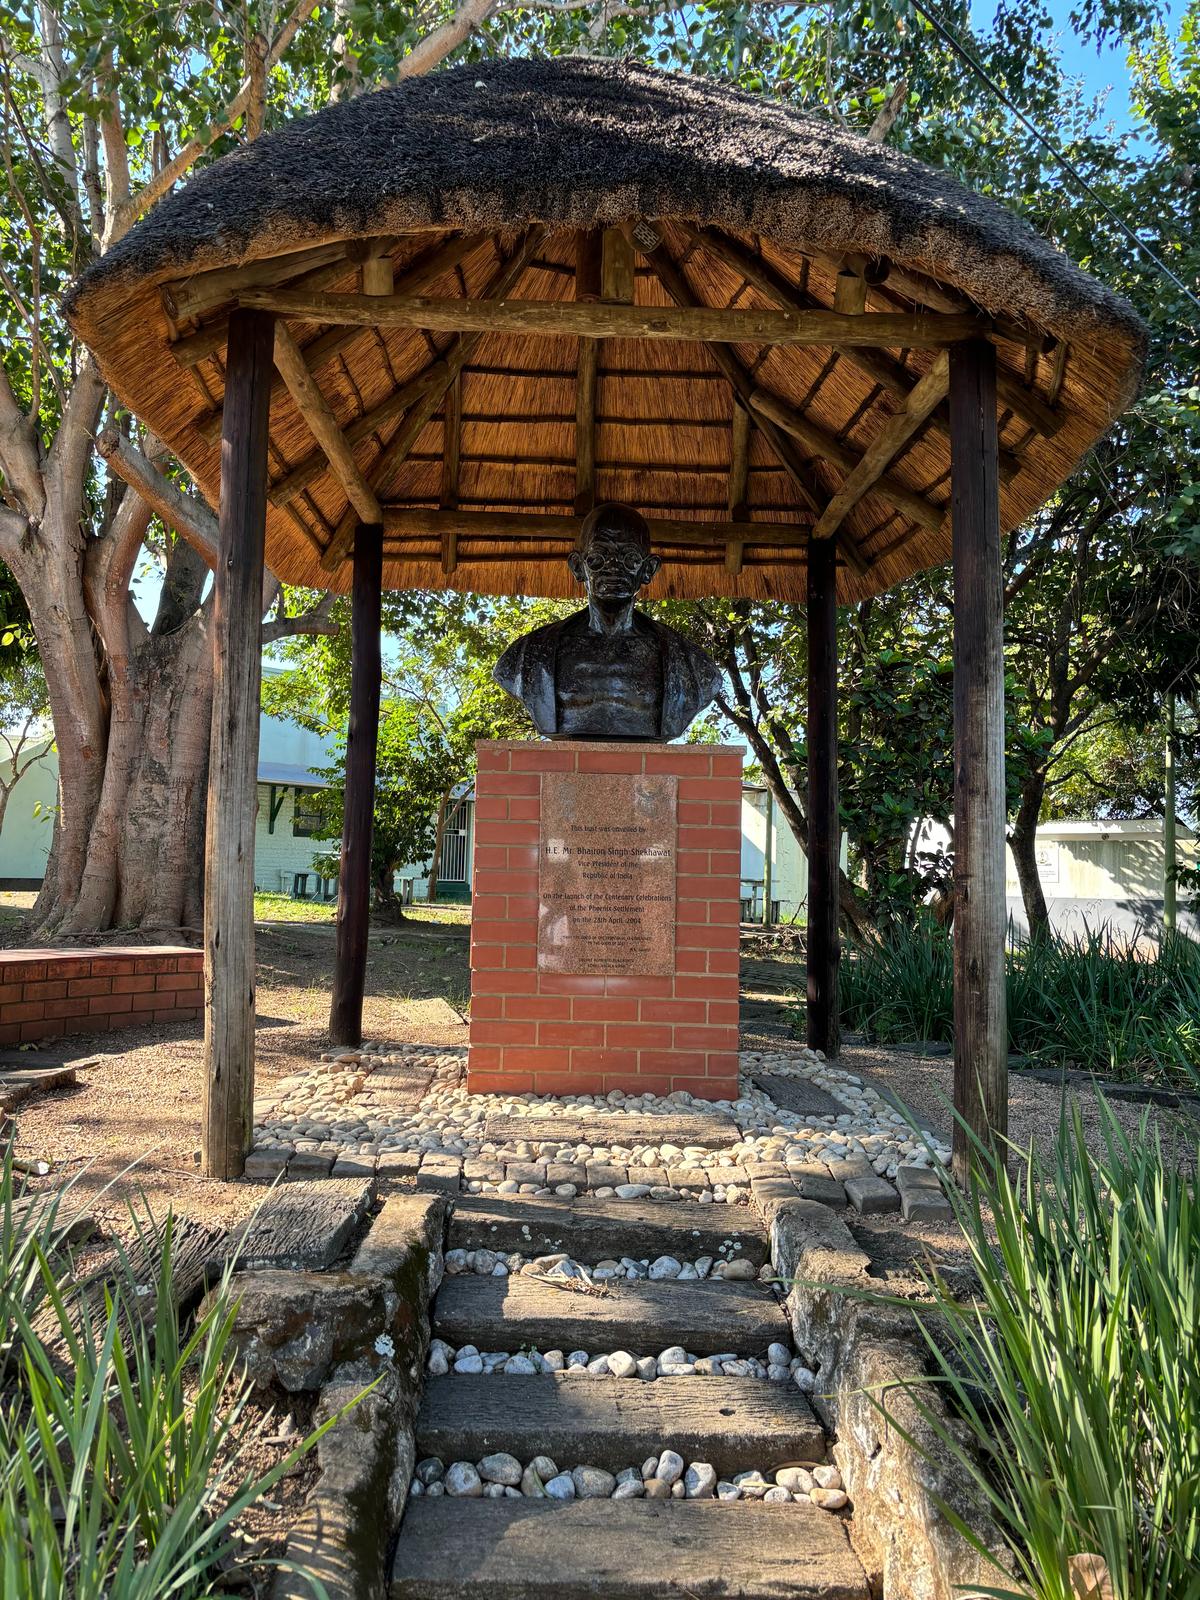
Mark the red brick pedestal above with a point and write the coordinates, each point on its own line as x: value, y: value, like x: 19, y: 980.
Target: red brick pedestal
x: 562, y: 1033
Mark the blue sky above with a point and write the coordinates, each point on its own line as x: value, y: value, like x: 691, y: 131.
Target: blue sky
x: 1103, y: 72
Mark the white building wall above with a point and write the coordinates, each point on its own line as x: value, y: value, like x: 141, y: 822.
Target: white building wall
x: 29, y: 822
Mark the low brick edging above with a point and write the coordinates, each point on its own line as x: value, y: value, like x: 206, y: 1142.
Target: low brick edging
x: 562, y: 1033
x: 867, y: 1355
x: 45, y: 994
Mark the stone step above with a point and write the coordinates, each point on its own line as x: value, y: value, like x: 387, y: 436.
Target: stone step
x: 599, y: 1230
x: 735, y: 1424
x: 623, y: 1550
x: 702, y: 1315
x: 712, y: 1129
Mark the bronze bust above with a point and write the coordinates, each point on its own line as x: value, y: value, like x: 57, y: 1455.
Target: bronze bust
x: 609, y: 672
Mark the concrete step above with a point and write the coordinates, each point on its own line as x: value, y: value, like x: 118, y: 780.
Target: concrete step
x: 702, y: 1315
x: 597, y: 1230
x: 735, y: 1424
x: 712, y: 1129
x: 623, y: 1550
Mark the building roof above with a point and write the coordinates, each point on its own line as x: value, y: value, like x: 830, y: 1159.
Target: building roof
x: 285, y: 772
x: 740, y: 200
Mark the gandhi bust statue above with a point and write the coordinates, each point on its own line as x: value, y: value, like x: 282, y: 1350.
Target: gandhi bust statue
x: 609, y: 672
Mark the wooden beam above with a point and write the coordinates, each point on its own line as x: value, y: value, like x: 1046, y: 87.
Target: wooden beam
x: 326, y: 430
x: 824, y: 829
x: 980, y: 1026
x: 416, y: 522
x: 589, y: 262
x: 881, y: 368
x: 850, y: 293
x: 603, y: 320
x: 203, y: 291
x: 887, y: 444
x: 229, y: 974
x: 673, y: 280
x: 429, y: 265
x: 451, y: 463
x: 443, y: 373
x: 354, y: 874
x: 739, y: 471
x: 377, y: 275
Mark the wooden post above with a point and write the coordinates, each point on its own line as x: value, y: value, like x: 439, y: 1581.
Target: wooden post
x: 824, y: 831
x: 354, y: 878
x: 228, y: 1095
x: 980, y: 1023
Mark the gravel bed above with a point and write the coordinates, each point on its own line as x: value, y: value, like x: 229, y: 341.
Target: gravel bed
x: 494, y: 1264
x: 336, y: 1108
x: 662, y: 1477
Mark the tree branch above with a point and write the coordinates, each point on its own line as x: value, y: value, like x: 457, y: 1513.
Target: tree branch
x: 191, y: 519
x: 20, y: 456
x: 315, y: 621
x: 164, y: 181
x: 892, y: 107
x: 428, y: 52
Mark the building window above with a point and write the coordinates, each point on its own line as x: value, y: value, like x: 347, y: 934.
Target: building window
x: 307, y: 819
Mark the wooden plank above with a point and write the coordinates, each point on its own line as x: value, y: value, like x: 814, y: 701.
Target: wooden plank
x: 597, y: 1230
x: 711, y: 1129
x: 887, y: 444
x: 325, y: 428
x: 740, y: 1425
x: 304, y: 1226
x: 443, y: 373
x: 823, y: 947
x: 16, y: 1086
x: 229, y: 974
x: 980, y: 1026
x: 832, y: 449
x: 415, y: 522
x: 622, y: 1550
x: 603, y: 320
x: 705, y: 1316
x: 799, y: 1095
x: 739, y: 471
x: 354, y: 876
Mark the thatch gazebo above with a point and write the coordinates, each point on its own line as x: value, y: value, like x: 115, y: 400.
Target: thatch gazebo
x: 411, y: 340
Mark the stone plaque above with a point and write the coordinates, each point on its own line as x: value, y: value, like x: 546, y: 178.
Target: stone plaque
x: 607, y: 874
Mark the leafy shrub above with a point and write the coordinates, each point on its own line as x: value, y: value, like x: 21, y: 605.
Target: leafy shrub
x: 122, y: 1446
x: 1087, y: 1000
x: 1077, y: 1367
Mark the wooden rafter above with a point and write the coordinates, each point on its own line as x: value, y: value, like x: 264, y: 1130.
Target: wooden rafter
x: 706, y: 324
x: 877, y: 365
x: 739, y: 472
x: 411, y: 522
x: 451, y: 462
x: 589, y: 262
x: 896, y: 432
x: 204, y: 291
x: 331, y: 342
x: 447, y: 368
x: 314, y: 408
x: 832, y: 449
x: 671, y: 276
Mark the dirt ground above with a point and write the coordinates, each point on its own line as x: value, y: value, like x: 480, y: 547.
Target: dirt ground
x: 140, y: 1103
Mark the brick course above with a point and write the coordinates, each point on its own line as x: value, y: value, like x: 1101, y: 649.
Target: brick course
x: 563, y: 1033
x: 45, y: 994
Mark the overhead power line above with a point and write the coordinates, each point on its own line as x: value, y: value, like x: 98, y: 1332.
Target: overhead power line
x: 977, y: 67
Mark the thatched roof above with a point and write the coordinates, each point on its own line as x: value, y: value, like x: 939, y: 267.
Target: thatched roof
x: 749, y: 204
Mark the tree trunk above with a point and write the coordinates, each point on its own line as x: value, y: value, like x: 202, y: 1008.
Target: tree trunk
x: 435, y: 861
x: 1023, y: 844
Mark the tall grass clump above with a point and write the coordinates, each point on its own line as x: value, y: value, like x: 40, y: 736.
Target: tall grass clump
x: 123, y: 1445
x: 1076, y: 1368
x: 1088, y: 1000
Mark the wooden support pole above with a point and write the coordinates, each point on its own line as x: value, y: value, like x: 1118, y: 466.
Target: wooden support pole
x: 824, y: 829
x: 980, y: 1024
x: 451, y: 464
x: 354, y: 878
x: 739, y: 473
x: 229, y: 979
x: 589, y: 259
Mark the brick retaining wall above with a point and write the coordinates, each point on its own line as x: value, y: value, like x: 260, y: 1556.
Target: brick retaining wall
x: 47, y: 993
x: 557, y: 1033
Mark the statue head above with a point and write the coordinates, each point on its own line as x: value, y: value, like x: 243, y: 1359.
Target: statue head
x: 612, y: 556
